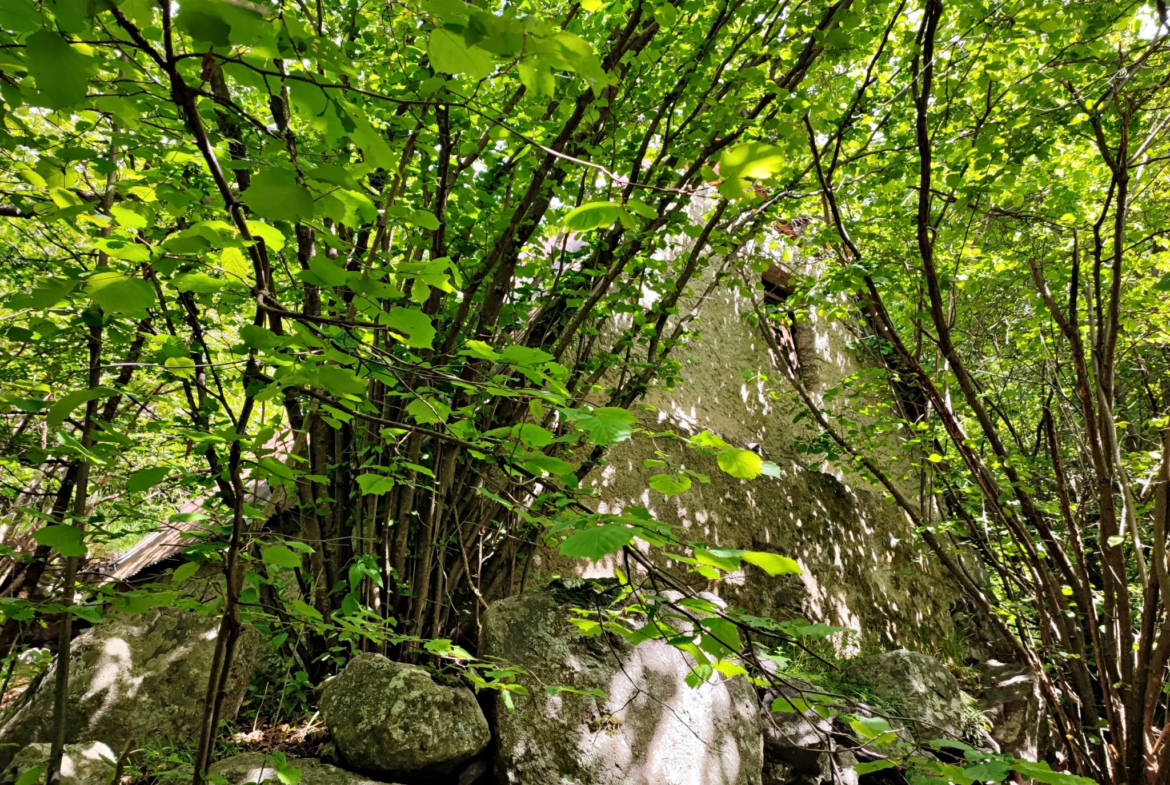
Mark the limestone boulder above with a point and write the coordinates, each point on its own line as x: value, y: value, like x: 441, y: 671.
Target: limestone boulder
x: 391, y: 719
x: 644, y: 725
x: 135, y: 678
x: 91, y: 763
x: 256, y: 767
x: 1014, y: 708
x: 925, y: 691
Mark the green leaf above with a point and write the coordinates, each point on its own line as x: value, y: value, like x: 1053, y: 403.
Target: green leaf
x: 532, y: 435
x: 288, y: 775
x: 337, y: 380
x: 789, y: 705
x: 991, y: 771
x: 744, y: 464
x: 200, y: 283
x: 772, y: 563
x: 64, y: 407
x: 281, y: 556
x: 127, y: 217
x: 411, y: 326
x: 871, y: 766
x: 871, y: 728
x: 607, y: 425
x: 31, y: 776
x: 272, y: 237
x: 537, y: 463
x: 184, y: 571
x: 375, y: 484
x: 428, y: 411
x: 749, y: 161
x: 1042, y: 772
x: 593, y: 215
x: 62, y: 73
x: 275, y: 195
x: 20, y: 16
x: 66, y: 540
x: 450, y: 54
x: 425, y: 220
x: 117, y: 293
x: 597, y: 541
x: 182, y: 367
x: 143, y: 479
x: 48, y: 293
x: 665, y: 14
x: 670, y: 484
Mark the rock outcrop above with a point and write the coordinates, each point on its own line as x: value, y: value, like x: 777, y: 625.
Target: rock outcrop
x: 91, y: 763
x: 134, y: 678
x: 258, y: 768
x: 924, y: 689
x: 390, y: 719
x: 1013, y: 706
x: 645, y: 726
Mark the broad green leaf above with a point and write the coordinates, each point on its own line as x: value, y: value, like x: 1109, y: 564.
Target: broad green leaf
x: 144, y: 479
x: 117, y: 293
x: 182, y: 367
x: 49, y: 292
x: 411, y: 326
x: 749, y: 161
x: 428, y: 411
x: 62, y: 73
x: 20, y: 16
x: 375, y: 484
x: 275, y: 195
x: 597, y: 541
x: 537, y: 463
x: 184, y: 571
x: 772, y: 563
x: 272, y: 237
x: 66, y: 540
x: 532, y: 435
x: 281, y: 556
x: 425, y: 220
x: 200, y: 283
x: 593, y: 215
x: 670, y: 484
x: 64, y: 407
x: 450, y: 54
x: 1042, y: 772
x: 337, y: 380
x: 32, y: 775
x: 607, y: 425
x: 665, y: 14
x: 127, y: 217
x: 744, y: 464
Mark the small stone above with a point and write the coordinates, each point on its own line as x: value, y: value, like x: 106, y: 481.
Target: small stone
x: 256, y: 767
x: 393, y: 719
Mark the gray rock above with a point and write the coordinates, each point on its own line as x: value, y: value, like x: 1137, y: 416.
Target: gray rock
x: 922, y: 686
x: 134, y: 678
x: 651, y: 728
x: 798, y: 746
x: 392, y: 719
x: 1012, y: 703
x: 91, y: 763
x: 258, y: 768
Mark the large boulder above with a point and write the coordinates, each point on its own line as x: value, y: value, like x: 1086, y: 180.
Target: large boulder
x: 92, y: 763
x: 256, y: 767
x: 392, y: 719
x: 925, y: 691
x: 645, y: 726
x: 134, y: 678
x: 1014, y: 708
